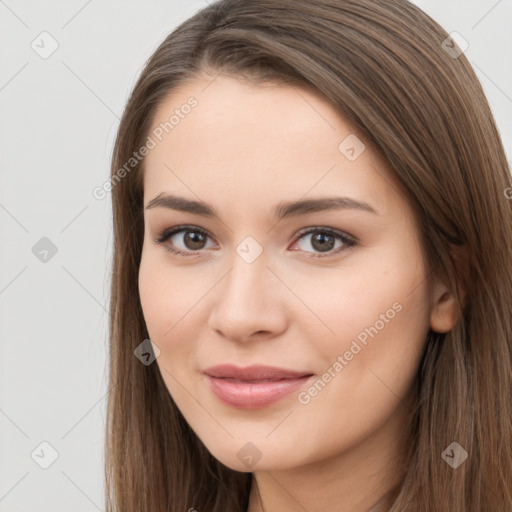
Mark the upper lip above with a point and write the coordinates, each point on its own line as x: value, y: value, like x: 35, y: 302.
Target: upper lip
x: 255, y: 372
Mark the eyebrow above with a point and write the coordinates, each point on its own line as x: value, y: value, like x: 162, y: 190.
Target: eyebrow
x: 281, y: 211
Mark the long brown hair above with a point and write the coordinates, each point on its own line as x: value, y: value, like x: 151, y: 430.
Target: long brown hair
x: 390, y: 70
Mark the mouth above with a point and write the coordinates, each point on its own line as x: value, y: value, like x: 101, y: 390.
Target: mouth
x: 253, y: 387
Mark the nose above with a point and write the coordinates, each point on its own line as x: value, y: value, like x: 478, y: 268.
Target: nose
x: 248, y: 303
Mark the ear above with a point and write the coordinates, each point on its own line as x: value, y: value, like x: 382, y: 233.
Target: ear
x: 445, y: 311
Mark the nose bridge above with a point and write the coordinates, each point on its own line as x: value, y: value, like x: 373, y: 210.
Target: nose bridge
x: 245, y: 302
x: 245, y: 283
x: 248, y: 266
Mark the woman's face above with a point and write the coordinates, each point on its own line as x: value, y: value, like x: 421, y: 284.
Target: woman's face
x: 340, y: 314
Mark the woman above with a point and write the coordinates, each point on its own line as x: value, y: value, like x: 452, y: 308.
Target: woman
x: 311, y: 226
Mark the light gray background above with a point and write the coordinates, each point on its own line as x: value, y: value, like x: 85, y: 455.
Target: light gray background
x: 58, y: 120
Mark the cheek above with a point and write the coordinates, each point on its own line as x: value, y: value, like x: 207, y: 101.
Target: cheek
x: 382, y: 288
x: 378, y: 315
x: 374, y: 315
x: 167, y: 295
x: 155, y: 303
x: 167, y: 305
x: 173, y: 305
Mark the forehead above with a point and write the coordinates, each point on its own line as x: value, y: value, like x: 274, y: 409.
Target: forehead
x: 267, y: 139
x: 234, y: 110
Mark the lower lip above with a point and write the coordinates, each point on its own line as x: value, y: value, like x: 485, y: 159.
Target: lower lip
x: 253, y: 395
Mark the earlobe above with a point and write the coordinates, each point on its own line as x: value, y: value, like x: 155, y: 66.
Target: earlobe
x: 445, y: 310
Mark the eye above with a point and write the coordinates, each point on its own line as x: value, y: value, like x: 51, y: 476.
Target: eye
x: 193, y: 240
x: 325, y: 241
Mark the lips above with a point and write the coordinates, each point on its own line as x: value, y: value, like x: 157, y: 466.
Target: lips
x: 253, y: 373
x: 253, y: 387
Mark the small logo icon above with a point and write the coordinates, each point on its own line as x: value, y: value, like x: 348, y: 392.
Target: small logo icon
x: 249, y: 249
x: 44, y: 455
x: 454, y: 455
x: 44, y: 250
x: 455, y: 45
x: 249, y: 454
x: 44, y: 45
x: 147, y: 352
x: 351, y: 147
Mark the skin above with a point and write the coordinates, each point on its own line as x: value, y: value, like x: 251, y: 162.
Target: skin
x: 243, y: 149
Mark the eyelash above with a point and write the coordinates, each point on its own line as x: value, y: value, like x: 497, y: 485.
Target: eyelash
x: 348, y: 241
